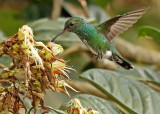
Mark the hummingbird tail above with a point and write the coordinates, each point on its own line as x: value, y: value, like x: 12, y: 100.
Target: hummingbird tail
x: 120, y: 61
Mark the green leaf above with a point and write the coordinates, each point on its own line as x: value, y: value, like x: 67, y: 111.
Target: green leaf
x: 5, y: 60
x: 131, y: 95
x: 96, y: 103
x: 142, y: 74
x: 52, y: 110
x: 151, y: 32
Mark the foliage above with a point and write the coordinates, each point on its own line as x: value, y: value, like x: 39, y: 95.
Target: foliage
x: 10, y: 21
x: 122, y: 88
x: 129, y: 91
x: 149, y: 31
x: 37, y: 10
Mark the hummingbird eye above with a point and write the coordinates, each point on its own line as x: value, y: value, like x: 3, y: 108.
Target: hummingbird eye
x: 71, y: 24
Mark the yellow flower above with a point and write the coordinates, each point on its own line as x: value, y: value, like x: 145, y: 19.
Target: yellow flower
x: 56, y: 49
x: 77, y: 108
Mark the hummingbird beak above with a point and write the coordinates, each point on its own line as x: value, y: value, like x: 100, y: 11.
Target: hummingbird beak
x: 64, y: 31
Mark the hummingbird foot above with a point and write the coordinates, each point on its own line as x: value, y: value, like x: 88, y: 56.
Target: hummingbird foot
x: 98, y: 56
x: 93, y: 56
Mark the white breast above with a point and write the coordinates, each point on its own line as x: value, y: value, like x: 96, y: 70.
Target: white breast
x: 109, y: 53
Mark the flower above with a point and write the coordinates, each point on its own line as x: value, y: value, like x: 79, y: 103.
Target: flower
x: 56, y: 49
x: 39, y: 67
x: 75, y: 107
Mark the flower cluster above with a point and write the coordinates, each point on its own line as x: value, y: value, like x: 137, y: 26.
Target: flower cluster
x: 36, y: 69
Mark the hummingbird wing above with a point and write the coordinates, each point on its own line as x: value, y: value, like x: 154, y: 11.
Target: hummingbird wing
x: 113, y: 27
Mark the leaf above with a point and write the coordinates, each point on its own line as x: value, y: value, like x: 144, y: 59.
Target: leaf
x: 142, y: 74
x: 131, y: 95
x: 52, y: 110
x: 96, y: 103
x: 5, y: 60
x: 149, y: 31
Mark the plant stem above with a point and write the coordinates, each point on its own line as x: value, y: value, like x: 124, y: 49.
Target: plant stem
x: 56, y: 10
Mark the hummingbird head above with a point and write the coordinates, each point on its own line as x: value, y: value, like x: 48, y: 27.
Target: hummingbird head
x: 71, y: 25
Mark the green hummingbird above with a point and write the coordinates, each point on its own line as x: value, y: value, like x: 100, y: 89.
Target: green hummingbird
x: 98, y: 38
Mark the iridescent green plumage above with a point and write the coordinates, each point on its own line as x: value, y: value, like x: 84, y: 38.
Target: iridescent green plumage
x: 98, y: 38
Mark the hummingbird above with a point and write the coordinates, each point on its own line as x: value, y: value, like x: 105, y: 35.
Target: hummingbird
x: 99, y: 38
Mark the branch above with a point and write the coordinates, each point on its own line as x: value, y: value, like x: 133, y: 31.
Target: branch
x: 137, y: 53
x: 56, y: 11
x: 84, y: 6
x: 72, y: 49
